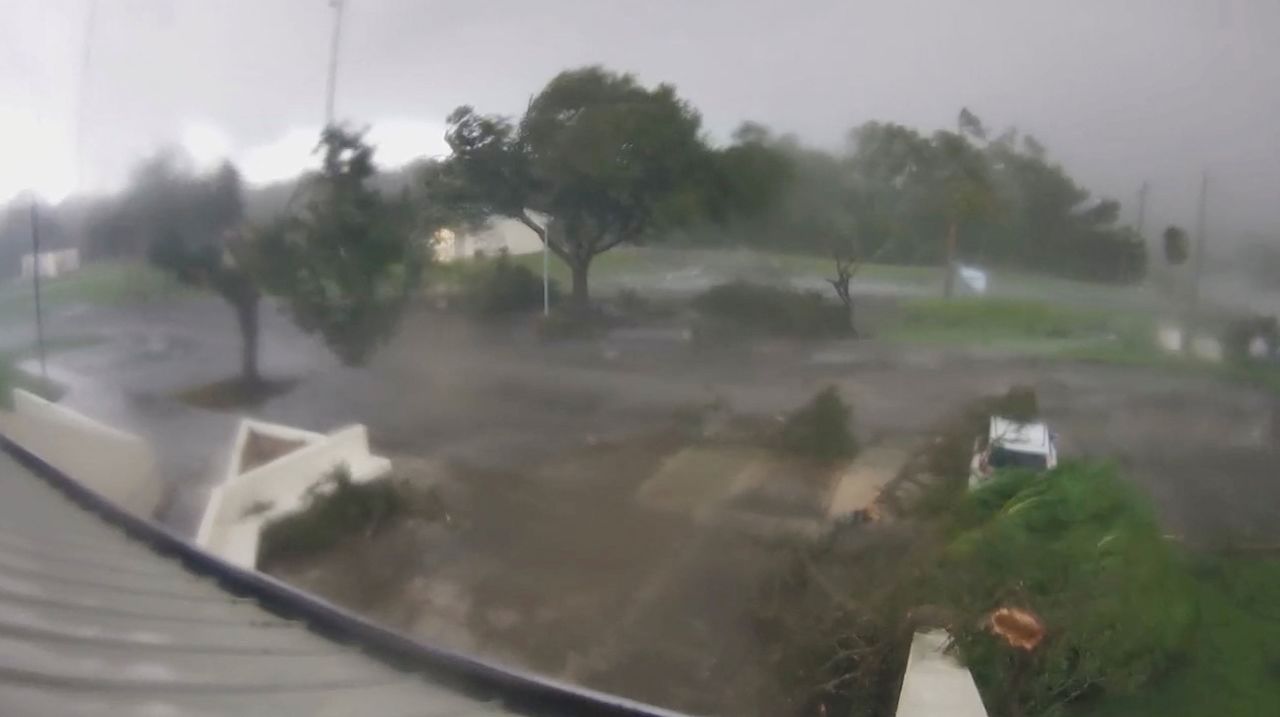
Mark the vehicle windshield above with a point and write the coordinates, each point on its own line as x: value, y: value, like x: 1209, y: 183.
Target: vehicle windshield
x: 682, y: 351
x: 1002, y: 457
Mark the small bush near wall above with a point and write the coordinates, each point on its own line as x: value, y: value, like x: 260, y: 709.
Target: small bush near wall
x: 820, y: 429
x: 772, y: 310
x: 339, y: 510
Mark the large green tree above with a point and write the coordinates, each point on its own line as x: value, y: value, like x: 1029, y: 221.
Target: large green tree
x: 346, y: 259
x: 598, y: 160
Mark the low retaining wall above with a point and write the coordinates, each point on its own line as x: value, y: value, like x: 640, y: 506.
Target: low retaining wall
x: 117, y: 465
x: 244, y: 503
x: 936, y: 684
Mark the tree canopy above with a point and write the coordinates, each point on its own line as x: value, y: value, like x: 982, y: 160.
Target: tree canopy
x: 346, y: 259
x: 906, y: 197
x: 597, y: 160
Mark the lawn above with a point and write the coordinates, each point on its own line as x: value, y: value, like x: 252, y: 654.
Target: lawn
x: 984, y: 320
x: 98, y: 284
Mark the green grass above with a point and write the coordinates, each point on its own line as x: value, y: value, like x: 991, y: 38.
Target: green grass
x: 986, y: 319
x: 1133, y: 347
x: 97, y: 284
x: 1233, y: 668
x: 606, y: 267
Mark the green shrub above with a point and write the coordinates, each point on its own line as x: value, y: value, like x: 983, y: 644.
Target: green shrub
x: 1081, y: 550
x: 773, y: 310
x: 567, y: 322
x: 820, y: 429
x: 1241, y: 332
x: 501, y: 286
x: 341, y: 509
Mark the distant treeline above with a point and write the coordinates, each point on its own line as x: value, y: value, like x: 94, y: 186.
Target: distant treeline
x: 891, y: 195
x: 897, y: 193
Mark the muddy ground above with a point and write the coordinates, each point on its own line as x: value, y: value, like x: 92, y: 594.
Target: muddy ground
x: 548, y: 560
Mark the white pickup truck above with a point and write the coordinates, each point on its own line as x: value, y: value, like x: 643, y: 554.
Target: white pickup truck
x: 1012, y: 444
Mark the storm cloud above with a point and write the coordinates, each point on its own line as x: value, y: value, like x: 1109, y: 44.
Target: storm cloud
x: 1154, y: 90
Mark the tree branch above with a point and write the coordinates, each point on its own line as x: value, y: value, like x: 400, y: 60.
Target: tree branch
x: 541, y: 231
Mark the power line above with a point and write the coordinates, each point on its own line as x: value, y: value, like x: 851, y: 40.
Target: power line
x: 334, y: 42
x: 82, y: 92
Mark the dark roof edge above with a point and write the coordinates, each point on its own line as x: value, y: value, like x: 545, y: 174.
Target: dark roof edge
x: 518, y: 690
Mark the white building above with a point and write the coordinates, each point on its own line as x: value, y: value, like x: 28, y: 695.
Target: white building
x: 500, y: 234
x: 52, y: 263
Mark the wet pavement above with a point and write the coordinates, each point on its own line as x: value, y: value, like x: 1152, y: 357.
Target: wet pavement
x: 451, y: 390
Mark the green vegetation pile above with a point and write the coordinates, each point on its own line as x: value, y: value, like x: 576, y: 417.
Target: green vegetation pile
x: 1080, y: 549
x: 341, y: 510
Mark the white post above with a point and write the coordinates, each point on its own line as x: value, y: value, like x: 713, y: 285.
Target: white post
x: 546, y: 282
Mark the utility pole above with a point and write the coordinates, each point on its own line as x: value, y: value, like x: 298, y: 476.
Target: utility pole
x: 334, y: 42
x: 1142, y: 205
x: 82, y: 93
x: 1198, y: 269
x: 35, y: 279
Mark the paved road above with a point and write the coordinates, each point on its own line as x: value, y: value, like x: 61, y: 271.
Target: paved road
x: 448, y: 389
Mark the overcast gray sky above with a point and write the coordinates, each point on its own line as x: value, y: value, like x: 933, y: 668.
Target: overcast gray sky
x: 1120, y: 90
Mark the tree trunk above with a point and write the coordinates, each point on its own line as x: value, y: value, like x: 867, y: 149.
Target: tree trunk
x: 581, y: 296
x: 949, y: 281
x: 845, y: 294
x: 247, y: 319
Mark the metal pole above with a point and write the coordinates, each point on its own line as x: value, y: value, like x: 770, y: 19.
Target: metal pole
x: 546, y: 282
x: 35, y: 279
x: 1198, y: 269
x: 333, y: 60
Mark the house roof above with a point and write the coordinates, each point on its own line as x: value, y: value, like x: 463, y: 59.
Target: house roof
x: 1032, y: 437
x: 102, y: 613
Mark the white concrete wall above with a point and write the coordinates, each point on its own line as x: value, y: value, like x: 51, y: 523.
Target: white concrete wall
x: 274, y: 430
x: 118, y: 465
x: 52, y: 263
x: 279, y: 488
x: 935, y: 683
